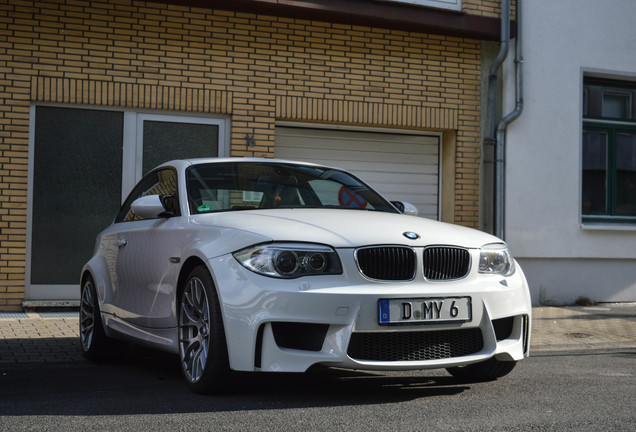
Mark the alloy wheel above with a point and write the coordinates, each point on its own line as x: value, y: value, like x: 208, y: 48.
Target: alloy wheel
x: 194, y: 329
x: 87, y: 316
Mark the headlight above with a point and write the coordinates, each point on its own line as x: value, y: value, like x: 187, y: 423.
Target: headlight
x: 282, y: 260
x: 496, y: 259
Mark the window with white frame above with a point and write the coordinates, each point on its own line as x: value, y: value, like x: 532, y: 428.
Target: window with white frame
x: 609, y: 151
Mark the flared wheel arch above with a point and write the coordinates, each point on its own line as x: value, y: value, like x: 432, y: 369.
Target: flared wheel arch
x: 187, y: 267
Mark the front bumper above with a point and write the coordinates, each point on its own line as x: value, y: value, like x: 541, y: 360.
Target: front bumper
x: 290, y: 325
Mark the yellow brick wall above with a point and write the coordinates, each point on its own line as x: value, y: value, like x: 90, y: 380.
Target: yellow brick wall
x: 487, y: 8
x: 255, y: 68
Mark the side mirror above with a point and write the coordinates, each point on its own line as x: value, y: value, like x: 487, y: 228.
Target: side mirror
x: 153, y: 206
x: 405, y: 208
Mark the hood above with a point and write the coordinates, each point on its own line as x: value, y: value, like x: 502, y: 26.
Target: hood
x: 345, y: 228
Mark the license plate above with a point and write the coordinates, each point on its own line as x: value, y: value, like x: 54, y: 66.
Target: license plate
x: 424, y: 310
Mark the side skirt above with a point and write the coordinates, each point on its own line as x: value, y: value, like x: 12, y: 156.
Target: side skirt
x: 164, y: 339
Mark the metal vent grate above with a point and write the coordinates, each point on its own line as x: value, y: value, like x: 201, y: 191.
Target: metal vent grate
x: 415, y: 346
x: 392, y: 263
x: 446, y: 263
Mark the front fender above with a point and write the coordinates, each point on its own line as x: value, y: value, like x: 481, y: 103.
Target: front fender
x: 209, y: 242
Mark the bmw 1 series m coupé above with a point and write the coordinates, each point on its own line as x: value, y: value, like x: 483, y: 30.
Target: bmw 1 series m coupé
x: 248, y: 264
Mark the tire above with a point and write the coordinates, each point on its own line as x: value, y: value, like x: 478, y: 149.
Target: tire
x: 488, y: 370
x: 202, y: 345
x: 96, y: 346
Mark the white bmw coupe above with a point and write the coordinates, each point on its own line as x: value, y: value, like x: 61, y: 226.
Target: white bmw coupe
x: 267, y: 265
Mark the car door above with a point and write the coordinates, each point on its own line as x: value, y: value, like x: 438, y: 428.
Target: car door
x: 147, y: 257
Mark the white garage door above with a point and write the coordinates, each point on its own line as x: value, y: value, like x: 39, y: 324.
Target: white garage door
x: 402, y: 167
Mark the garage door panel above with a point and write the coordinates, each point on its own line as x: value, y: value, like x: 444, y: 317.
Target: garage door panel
x: 422, y: 182
x: 405, y: 169
x: 425, y: 208
x: 400, y: 166
x: 394, y: 149
x: 348, y: 155
x: 426, y: 211
x: 367, y: 141
x: 416, y: 188
x: 359, y: 165
x: 418, y: 199
x: 378, y: 143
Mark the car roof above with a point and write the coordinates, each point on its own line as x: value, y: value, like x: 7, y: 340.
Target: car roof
x: 184, y: 163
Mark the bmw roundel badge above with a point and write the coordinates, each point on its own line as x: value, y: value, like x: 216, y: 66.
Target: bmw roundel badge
x: 411, y: 235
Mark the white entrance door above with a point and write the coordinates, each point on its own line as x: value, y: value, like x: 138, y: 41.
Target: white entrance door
x: 83, y: 162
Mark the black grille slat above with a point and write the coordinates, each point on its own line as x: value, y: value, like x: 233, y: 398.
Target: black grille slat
x: 387, y: 263
x: 415, y: 346
x: 446, y: 263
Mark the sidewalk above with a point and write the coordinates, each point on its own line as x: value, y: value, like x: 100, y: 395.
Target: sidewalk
x: 601, y: 327
x: 39, y: 337
x: 53, y: 337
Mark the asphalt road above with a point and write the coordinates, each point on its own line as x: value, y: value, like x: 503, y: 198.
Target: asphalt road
x: 144, y: 391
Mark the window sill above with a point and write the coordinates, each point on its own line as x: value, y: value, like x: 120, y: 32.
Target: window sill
x: 608, y: 226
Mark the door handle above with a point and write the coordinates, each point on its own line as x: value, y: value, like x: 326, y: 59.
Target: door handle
x: 122, y: 242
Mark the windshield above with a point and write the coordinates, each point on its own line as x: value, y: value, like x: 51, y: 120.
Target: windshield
x: 230, y: 186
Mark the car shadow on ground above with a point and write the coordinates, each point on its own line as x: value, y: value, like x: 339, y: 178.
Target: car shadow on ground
x: 320, y: 384
x: 144, y: 381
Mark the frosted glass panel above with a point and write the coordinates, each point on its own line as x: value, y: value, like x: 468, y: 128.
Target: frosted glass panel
x: 76, y: 188
x: 164, y: 141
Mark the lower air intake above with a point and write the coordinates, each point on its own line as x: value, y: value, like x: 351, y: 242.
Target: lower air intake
x: 415, y: 346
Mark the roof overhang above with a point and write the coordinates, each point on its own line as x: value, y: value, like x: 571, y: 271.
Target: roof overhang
x: 367, y: 13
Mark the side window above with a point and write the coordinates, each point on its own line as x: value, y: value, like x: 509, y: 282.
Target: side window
x: 160, y: 182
